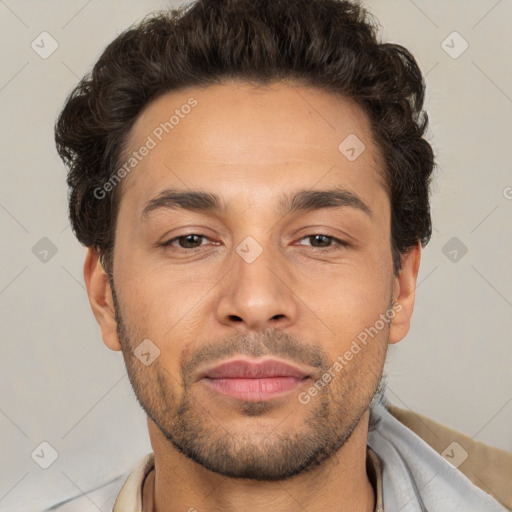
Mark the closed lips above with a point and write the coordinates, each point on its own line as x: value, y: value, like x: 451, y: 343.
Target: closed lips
x: 243, y: 369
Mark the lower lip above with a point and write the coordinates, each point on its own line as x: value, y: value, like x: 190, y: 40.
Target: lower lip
x: 255, y: 389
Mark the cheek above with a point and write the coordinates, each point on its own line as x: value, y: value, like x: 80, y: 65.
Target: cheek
x: 167, y: 308
x: 351, y: 292
x: 160, y: 297
x: 346, y: 311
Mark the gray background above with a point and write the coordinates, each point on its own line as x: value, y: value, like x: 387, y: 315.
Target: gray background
x: 61, y: 385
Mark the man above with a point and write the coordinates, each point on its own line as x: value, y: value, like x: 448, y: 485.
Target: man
x: 252, y: 183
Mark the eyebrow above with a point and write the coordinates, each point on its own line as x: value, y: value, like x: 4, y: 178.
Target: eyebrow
x: 187, y: 200
x: 309, y: 200
x: 299, y: 201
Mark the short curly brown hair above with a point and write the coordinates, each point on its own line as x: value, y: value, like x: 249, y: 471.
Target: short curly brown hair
x: 328, y: 44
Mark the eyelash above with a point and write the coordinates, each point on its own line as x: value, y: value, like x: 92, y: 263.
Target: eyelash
x: 340, y: 243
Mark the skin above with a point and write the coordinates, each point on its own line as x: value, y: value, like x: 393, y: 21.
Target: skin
x: 301, y: 300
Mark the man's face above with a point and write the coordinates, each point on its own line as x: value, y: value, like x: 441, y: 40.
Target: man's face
x: 249, y: 280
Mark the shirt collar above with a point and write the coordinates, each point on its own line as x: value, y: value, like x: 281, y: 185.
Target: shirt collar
x: 131, y: 495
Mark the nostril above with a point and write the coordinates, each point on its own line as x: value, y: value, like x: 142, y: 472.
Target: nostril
x: 235, y: 318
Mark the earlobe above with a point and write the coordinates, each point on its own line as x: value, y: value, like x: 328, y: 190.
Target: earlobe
x: 100, y: 299
x: 404, y: 287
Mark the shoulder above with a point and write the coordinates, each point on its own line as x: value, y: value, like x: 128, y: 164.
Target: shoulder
x: 121, y: 493
x: 101, y: 498
x: 487, y: 467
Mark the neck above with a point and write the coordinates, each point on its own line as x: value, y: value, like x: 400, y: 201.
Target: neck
x: 339, y: 484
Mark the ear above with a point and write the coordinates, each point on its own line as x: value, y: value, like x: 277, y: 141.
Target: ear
x: 100, y: 298
x: 404, y: 286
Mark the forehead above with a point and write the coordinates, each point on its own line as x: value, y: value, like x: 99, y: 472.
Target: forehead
x: 234, y: 138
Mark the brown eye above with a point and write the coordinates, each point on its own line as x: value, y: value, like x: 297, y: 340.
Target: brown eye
x: 192, y: 241
x: 320, y: 241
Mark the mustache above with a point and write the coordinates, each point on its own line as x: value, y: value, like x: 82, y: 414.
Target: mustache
x: 269, y: 343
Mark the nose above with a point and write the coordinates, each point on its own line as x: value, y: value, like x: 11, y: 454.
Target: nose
x: 256, y: 294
